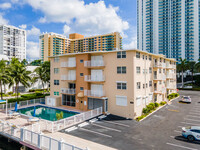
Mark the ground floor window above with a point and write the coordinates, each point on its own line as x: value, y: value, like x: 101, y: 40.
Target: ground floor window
x: 68, y: 100
x: 94, y: 103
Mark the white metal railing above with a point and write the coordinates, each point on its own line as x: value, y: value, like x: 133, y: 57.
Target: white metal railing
x: 94, y: 63
x: 157, y: 65
x: 93, y: 93
x: 68, y: 91
x: 22, y: 103
x: 92, y: 78
x: 65, y: 78
x: 70, y: 121
x: 68, y: 64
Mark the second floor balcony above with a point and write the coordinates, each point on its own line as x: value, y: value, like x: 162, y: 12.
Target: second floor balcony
x: 68, y: 78
x: 94, y: 63
x: 157, y: 65
x: 92, y: 78
x: 93, y: 93
x: 68, y: 64
x: 68, y: 91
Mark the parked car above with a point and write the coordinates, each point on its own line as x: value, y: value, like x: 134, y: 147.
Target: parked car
x: 186, y: 99
x: 191, y: 133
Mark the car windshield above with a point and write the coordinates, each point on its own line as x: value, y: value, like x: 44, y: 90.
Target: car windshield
x: 186, y: 97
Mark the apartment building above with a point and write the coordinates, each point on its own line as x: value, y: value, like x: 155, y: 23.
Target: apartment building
x: 122, y: 82
x: 52, y: 44
x: 169, y: 27
x: 12, y: 42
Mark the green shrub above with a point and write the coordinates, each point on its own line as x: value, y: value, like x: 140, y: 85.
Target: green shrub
x: 156, y: 105
x: 5, y: 95
x: 172, y: 96
x: 145, y: 110
x: 140, y: 117
x: 163, y: 103
x: 15, y: 94
x: 151, y: 106
x: 10, y: 93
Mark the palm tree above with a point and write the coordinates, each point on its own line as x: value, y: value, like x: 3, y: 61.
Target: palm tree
x: 25, y: 62
x: 183, y: 67
x: 40, y: 75
x: 4, y: 76
x: 19, y: 74
x: 191, y: 66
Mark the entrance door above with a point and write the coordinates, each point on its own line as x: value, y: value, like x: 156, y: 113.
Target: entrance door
x: 81, y: 104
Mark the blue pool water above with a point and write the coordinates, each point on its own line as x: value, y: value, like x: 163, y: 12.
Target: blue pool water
x: 46, y: 113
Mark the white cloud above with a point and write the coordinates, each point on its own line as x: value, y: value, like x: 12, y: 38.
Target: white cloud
x: 132, y: 44
x: 85, y: 18
x: 5, y: 5
x: 32, y: 50
x: 66, y: 29
x: 23, y: 26
x: 33, y: 34
x: 2, y: 20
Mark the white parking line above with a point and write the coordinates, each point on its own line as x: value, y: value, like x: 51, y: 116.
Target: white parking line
x: 177, y: 131
x: 181, y: 146
x: 116, y: 123
x: 194, y: 116
x: 96, y: 132
x: 107, y: 128
x: 192, y: 120
x: 180, y: 126
x: 194, y: 113
x: 190, y: 123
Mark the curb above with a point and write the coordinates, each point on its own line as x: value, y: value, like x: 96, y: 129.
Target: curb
x: 153, y: 112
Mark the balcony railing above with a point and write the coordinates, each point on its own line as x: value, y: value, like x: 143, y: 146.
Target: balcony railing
x: 94, y: 63
x: 93, y: 93
x: 91, y: 78
x: 68, y: 91
x: 156, y: 65
x: 68, y: 64
x: 70, y: 78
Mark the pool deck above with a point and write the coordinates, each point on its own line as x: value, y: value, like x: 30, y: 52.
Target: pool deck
x: 22, y: 122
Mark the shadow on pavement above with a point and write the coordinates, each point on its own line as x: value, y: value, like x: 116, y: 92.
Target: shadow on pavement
x: 180, y: 138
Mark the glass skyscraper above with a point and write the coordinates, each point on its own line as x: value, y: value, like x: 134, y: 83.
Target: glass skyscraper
x: 169, y: 27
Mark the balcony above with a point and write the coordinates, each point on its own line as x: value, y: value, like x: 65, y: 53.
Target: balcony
x: 171, y: 86
x: 68, y: 78
x: 68, y: 64
x: 156, y: 65
x: 92, y: 93
x: 68, y: 91
x: 170, y: 76
x: 91, y: 78
x: 93, y: 64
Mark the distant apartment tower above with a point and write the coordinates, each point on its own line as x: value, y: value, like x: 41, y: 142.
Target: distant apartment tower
x: 52, y: 44
x: 169, y: 27
x: 12, y: 42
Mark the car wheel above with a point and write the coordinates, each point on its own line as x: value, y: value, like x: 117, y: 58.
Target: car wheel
x: 190, y: 138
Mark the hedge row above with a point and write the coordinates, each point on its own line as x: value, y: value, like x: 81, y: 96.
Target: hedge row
x: 34, y: 90
x: 27, y: 97
x: 150, y: 108
x: 172, y: 96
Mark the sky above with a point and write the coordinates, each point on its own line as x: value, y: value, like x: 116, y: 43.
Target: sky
x: 87, y: 17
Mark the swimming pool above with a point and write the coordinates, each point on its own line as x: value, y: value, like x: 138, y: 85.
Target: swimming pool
x: 45, y: 112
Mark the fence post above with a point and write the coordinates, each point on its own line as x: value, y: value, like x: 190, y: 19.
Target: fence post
x: 60, y: 144
x: 52, y: 127
x: 22, y: 134
x: 40, y: 140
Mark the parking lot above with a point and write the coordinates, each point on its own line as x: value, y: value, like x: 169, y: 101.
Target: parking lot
x: 162, y: 130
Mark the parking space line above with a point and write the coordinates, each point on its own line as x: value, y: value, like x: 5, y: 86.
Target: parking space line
x: 194, y: 113
x: 194, y: 116
x: 96, y: 132
x: 192, y: 120
x: 180, y: 127
x: 106, y: 127
x: 116, y: 123
x: 177, y: 131
x: 181, y: 146
x: 190, y: 123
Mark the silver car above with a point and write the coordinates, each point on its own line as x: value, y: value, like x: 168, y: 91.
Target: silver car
x: 191, y: 133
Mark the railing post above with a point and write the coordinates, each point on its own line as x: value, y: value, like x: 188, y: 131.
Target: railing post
x: 60, y: 145
x: 52, y: 127
x: 40, y: 140
x: 22, y: 134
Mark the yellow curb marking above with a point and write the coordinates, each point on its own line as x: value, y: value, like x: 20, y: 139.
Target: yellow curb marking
x: 173, y: 110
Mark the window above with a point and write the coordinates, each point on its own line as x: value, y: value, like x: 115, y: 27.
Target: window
x: 81, y: 74
x: 138, y: 85
x: 146, y: 85
x: 150, y: 70
x: 150, y: 57
x: 160, y: 59
x: 138, y: 101
x: 142, y: 56
x: 56, y: 70
x: 150, y: 83
x: 146, y: 57
x: 160, y: 82
x: 159, y: 70
x: 121, y: 85
x: 138, y: 69
x: 56, y: 82
x: 81, y: 61
x: 164, y: 60
x: 121, y: 100
x: 81, y: 88
x: 143, y: 86
x: 121, y: 54
x: 163, y: 70
x: 56, y: 93
x: 68, y: 100
x: 56, y: 59
x: 121, y: 70
x: 137, y: 54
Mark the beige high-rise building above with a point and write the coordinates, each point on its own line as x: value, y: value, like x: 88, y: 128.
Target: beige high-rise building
x: 52, y: 44
x: 122, y: 82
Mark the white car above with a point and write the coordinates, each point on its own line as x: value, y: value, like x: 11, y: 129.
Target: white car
x: 191, y: 133
x: 186, y: 99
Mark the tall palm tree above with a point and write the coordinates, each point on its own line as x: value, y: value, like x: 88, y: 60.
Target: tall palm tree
x: 183, y: 67
x: 191, y: 66
x: 19, y: 74
x: 4, y: 76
